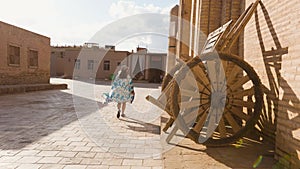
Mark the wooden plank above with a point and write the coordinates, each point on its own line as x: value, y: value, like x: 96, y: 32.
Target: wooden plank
x: 232, y: 122
x: 189, y: 104
x: 190, y: 117
x: 237, y: 28
x: 156, y: 103
x: 215, y: 36
x: 222, y: 128
x: 200, y: 75
x: 239, y: 113
x: 242, y: 103
x: 234, y: 72
x: 212, y: 74
x: 212, y: 122
x: 245, y: 92
x: 191, y: 93
x: 200, y: 122
x: 172, y: 133
x: 168, y: 124
x: 239, y: 83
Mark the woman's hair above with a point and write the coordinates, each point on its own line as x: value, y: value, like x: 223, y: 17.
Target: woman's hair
x: 124, y: 73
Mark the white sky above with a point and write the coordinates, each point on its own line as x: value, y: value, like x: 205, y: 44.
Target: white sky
x: 69, y: 22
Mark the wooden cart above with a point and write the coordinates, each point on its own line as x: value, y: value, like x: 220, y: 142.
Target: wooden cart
x: 214, y: 98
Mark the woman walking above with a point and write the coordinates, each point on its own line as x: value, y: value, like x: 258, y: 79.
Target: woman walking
x: 121, y: 90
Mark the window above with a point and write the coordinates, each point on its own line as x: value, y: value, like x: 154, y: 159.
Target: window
x: 77, y: 63
x: 90, y: 64
x: 33, y: 58
x: 106, y: 65
x: 62, y: 54
x: 13, y: 55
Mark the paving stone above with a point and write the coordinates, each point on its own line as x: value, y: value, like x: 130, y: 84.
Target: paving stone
x: 29, y: 159
x: 48, y: 153
x: 50, y: 160
x: 52, y: 166
x: 62, y: 129
x: 29, y: 166
x: 132, y: 162
x: 71, y: 160
x: 66, y: 154
x: 86, y: 154
x: 75, y: 167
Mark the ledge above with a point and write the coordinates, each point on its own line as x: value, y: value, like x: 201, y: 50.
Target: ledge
x: 13, y: 89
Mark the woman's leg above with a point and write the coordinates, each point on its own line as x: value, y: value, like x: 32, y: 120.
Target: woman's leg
x: 119, y: 107
x: 123, y: 108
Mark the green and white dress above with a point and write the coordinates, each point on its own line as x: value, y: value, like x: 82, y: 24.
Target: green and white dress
x: 121, y: 91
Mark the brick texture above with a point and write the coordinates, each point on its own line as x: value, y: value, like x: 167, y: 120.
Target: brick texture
x: 25, y: 40
x: 272, y: 47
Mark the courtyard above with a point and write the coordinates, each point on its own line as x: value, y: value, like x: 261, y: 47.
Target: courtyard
x: 73, y: 129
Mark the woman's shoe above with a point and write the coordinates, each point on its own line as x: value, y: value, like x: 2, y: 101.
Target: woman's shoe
x: 123, y: 115
x: 118, y: 115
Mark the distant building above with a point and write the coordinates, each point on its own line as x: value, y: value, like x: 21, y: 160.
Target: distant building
x: 92, y: 61
x: 24, y: 55
x: 87, y: 61
x: 148, y: 66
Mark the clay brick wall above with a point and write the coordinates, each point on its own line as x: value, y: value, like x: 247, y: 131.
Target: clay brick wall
x: 172, y: 38
x: 271, y: 46
x: 22, y: 73
x: 64, y: 61
x: 211, y: 15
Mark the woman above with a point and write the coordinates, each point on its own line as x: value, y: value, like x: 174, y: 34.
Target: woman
x: 121, y: 90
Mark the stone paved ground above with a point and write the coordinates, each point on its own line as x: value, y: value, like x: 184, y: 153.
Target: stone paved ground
x: 72, y: 129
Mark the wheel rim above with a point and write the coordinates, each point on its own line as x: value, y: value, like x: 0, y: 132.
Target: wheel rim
x: 225, y: 109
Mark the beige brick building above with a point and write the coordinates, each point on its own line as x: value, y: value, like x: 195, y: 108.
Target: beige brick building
x: 146, y: 65
x: 92, y: 61
x: 88, y: 61
x: 270, y: 43
x: 24, y: 55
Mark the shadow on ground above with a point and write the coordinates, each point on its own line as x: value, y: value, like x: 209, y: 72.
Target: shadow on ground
x: 26, y: 118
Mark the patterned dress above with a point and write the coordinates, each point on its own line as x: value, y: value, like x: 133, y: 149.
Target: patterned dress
x: 121, y: 91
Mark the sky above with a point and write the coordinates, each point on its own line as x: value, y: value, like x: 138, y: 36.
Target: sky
x: 69, y: 22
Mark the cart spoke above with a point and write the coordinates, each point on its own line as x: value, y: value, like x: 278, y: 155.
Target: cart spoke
x: 201, y: 121
x: 242, y: 103
x: 240, y: 82
x: 232, y: 122
x: 189, y: 104
x: 233, y: 73
x: 222, y: 128
x: 246, y: 92
x: 239, y: 113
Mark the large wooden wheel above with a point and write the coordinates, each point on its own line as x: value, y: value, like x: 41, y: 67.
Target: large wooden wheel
x: 169, y: 76
x: 216, y: 101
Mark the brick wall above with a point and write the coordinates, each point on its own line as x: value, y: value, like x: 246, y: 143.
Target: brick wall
x: 22, y: 73
x: 213, y: 14
x: 64, y: 61
x: 271, y: 46
x: 172, y: 38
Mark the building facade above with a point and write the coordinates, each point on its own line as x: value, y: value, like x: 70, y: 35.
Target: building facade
x: 269, y: 43
x: 92, y: 61
x: 24, y: 55
x: 87, y: 61
x: 148, y: 66
x: 271, y: 46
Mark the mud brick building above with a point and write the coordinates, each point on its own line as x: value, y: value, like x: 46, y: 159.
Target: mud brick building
x: 269, y: 43
x: 24, y: 55
x: 92, y: 61
x: 87, y: 61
